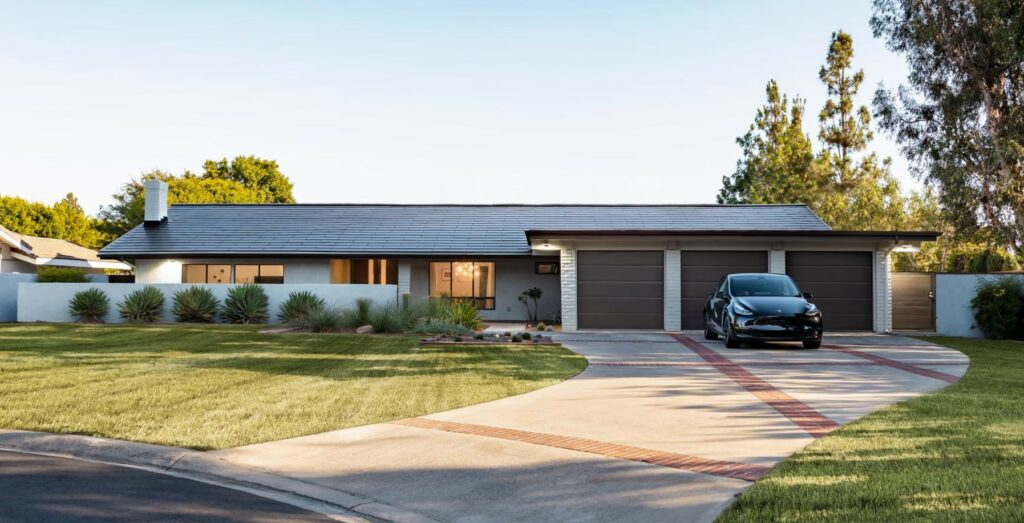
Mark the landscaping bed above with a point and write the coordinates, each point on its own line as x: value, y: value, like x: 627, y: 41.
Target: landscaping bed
x: 953, y: 455
x: 490, y: 338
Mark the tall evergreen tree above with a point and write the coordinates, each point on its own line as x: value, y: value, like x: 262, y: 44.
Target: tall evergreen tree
x: 777, y: 162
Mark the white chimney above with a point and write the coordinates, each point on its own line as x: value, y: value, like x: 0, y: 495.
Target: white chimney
x: 156, y: 202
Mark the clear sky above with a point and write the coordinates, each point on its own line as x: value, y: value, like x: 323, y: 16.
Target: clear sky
x: 380, y: 101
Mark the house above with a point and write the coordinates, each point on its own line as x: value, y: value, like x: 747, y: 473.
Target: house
x: 27, y: 254
x: 599, y: 266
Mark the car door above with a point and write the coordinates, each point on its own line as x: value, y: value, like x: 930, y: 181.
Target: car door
x: 719, y: 301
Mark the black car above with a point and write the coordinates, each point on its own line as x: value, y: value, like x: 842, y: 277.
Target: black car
x: 761, y: 307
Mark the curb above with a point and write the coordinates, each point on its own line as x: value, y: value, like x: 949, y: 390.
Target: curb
x: 198, y: 466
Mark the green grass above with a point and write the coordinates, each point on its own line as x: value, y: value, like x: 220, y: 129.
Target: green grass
x: 209, y: 387
x: 954, y: 455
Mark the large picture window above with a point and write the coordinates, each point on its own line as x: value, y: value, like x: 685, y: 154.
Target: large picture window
x: 202, y: 273
x: 259, y: 273
x: 465, y: 280
x: 365, y: 271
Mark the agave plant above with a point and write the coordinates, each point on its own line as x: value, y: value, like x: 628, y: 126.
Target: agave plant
x: 246, y: 303
x: 143, y: 305
x: 90, y: 305
x: 299, y: 306
x: 465, y: 313
x: 194, y: 305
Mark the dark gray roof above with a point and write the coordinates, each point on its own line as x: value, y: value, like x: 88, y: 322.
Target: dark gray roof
x: 314, y: 229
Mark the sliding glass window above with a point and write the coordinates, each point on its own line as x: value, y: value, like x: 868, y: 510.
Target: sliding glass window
x: 464, y: 280
x: 202, y: 273
x: 259, y: 273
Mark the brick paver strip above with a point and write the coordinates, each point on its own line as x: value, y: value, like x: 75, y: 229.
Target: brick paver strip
x: 812, y: 421
x: 906, y: 367
x: 765, y: 363
x: 729, y: 469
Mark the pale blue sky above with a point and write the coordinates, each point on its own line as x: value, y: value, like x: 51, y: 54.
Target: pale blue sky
x: 630, y: 102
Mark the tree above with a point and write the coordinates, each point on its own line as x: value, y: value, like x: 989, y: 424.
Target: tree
x: 861, y: 192
x: 777, y: 165
x: 246, y: 179
x: 960, y: 117
x: 64, y: 220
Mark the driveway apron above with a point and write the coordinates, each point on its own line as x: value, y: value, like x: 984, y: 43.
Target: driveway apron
x: 659, y: 427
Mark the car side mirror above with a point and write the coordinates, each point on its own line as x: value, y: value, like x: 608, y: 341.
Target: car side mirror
x: 719, y: 294
x: 808, y: 296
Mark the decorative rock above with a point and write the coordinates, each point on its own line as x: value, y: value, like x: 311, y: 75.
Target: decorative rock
x: 365, y: 329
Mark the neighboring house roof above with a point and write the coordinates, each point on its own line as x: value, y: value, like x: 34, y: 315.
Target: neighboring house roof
x: 350, y: 229
x: 51, y: 251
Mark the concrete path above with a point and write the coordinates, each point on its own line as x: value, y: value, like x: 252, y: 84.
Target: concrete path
x: 46, y: 488
x: 658, y: 428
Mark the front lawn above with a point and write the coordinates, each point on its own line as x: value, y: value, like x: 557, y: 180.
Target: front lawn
x: 955, y: 455
x: 210, y: 387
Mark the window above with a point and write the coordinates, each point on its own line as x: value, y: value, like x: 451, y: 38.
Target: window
x: 365, y: 271
x: 259, y: 273
x: 202, y: 273
x: 464, y: 279
x: 546, y: 268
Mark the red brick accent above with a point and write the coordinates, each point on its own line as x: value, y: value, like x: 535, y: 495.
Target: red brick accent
x: 761, y: 363
x: 729, y: 469
x: 906, y: 367
x: 812, y: 421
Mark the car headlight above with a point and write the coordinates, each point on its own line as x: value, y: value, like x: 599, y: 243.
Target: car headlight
x: 741, y: 310
x: 811, y: 309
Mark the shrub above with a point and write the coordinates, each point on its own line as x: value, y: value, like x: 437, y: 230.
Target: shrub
x: 299, y: 305
x: 542, y: 327
x: 478, y: 337
x: 246, y: 304
x: 465, y: 313
x: 999, y: 308
x: 436, y: 326
x: 324, y: 319
x: 361, y: 314
x: 142, y: 305
x: 90, y: 305
x: 61, y: 275
x: 516, y: 339
x: 526, y: 335
x: 194, y: 305
x: 388, y: 319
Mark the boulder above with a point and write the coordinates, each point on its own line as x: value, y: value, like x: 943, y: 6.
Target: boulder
x: 365, y: 329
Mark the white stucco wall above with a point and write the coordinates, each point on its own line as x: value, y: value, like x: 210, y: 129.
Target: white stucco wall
x: 567, y: 270
x: 9, y: 294
x: 883, y: 291
x: 953, y: 295
x: 49, y: 301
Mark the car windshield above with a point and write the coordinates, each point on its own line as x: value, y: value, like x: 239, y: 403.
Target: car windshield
x: 763, y: 285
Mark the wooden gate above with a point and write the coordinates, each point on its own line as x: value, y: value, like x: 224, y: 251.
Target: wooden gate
x: 913, y: 301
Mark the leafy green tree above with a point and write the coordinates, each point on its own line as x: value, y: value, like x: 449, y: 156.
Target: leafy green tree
x: 777, y: 165
x: 245, y: 179
x: 960, y: 116
x: 63, y: 220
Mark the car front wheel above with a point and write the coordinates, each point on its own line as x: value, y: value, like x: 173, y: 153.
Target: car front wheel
x: 812, y: 344
x: 730, y: 341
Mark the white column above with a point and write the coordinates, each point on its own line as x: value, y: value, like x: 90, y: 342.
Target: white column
x: 883, y: 290
x: 673, y: 296
x: 404, y: 279
x: 567, y: 272
x: 777, y: 261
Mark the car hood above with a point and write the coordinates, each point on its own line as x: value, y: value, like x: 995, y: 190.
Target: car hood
x: 773, y: 304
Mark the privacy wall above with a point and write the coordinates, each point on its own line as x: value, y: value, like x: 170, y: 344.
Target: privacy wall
x: 953, y: 295
x: 49, y: 301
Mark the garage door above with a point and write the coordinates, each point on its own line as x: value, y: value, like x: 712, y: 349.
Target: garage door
x: 841, y: 284
x: 620, y: 289
x: 701, y: 272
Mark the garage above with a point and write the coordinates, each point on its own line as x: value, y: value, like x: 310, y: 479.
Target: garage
x: 841, y: 283
x: 702, y: 270
x: 620, y: 289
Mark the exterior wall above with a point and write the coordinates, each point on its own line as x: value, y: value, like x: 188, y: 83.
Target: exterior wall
x: 673, y: 290
x: 777, y: 261
x: 9, y: 294
x: 953, y: 295
x: 567, y: 284
x: 299, y: 270
x: 883, y: 291
x: 49, y: 301
x: 512, y: 277
x: 11, y: 265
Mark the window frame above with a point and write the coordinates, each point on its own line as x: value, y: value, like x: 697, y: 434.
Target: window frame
x: 259, y: 271
x: 481, y: 302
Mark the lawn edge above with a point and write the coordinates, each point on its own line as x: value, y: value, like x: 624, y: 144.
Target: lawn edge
x: 199, y: 466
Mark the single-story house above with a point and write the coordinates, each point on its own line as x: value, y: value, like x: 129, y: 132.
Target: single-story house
x: 20, y: 253
x: 599, y: 266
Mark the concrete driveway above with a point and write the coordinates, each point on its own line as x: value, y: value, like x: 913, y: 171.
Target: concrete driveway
x: 660, y: 427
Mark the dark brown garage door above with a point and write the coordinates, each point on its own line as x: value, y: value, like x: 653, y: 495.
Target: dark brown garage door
x: 700, y: 273
x: 620, y: 289
x: 841, y: 284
